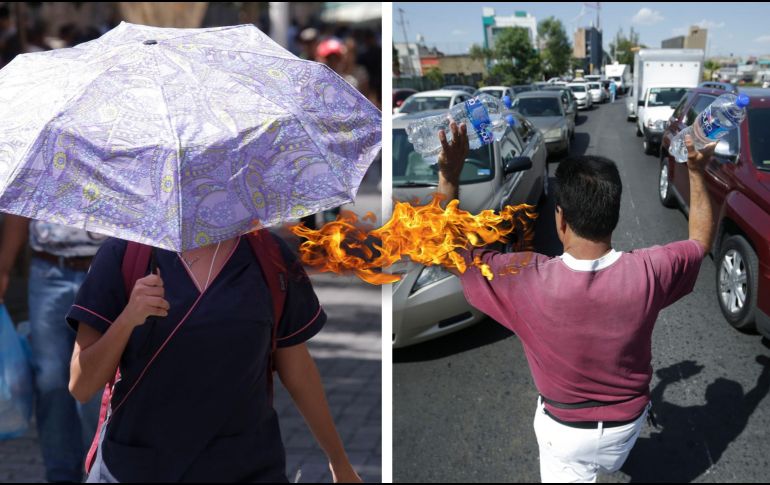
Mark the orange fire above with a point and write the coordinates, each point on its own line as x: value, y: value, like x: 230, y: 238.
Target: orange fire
x: 426, y: 234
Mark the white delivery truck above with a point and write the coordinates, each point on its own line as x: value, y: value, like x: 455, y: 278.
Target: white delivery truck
x: 661, y: 78
x: 621, y: 74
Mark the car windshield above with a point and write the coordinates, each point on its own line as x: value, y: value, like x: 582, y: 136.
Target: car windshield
x: 615, y: 78
x: 538, y: 106
x: 594, y: 86
x: 416, y: 104
x: 759, y: 136
x: 665, y: 96
x: 498, y: 93
x: 578, y: 88
x: 409, y: 169
x: 521, y: 89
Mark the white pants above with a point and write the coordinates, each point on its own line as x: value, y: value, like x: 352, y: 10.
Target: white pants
x: 577, y: 455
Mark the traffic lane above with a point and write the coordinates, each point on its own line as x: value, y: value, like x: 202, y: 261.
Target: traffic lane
x: 713, y: 421
x: 454, y: 421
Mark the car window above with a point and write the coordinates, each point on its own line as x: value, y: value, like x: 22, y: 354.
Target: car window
x: 759, y: 136
x: 523, y: 129
x: 538, y: 106
x: 415, y: 104
x: 410, y: 168
x: 664, y: 96
x: 697, y: 107
x: 509, y: 148
x: 680, y: 109
x: 578, y: 89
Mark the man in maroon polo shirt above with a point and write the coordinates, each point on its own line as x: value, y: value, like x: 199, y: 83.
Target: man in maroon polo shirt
x: 585, y: 318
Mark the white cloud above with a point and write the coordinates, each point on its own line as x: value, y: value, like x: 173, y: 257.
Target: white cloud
x: 709, y: 24
x: 646, y: 16
x: 763, y: 39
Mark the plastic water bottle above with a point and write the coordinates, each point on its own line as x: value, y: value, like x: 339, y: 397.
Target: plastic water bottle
x: 721, y: 116
x: 483, y: 118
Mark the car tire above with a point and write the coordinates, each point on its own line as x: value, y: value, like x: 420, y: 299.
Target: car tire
x: 649, y: 148
x: 737, y: 272
x: 665, y: 192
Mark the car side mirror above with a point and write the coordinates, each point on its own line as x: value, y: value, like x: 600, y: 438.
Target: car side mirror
x: 640, y: 104
x: 723, y: 150
x: 517, y: 164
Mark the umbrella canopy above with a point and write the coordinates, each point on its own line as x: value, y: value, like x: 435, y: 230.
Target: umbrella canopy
x: 179, y: 138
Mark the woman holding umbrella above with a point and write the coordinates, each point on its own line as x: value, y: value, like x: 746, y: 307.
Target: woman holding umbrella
x: 184, y: 140
x: 202, y: 411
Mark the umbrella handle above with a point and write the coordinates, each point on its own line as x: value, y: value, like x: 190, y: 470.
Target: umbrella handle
x: 150, y: 321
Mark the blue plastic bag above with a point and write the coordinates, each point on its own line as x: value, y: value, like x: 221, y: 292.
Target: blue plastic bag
x: 16, y: 387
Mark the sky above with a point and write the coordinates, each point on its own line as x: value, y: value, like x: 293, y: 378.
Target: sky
x: 741, y: 29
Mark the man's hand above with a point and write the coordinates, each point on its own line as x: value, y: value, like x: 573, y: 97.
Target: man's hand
x: 451, y: 160
x: 697, y: 160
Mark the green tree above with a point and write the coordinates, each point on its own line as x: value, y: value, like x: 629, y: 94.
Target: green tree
x: 435, y: 76
x: 480, y: 53
x: 711, y: 66
x: 556, y: 55
x: 622, y: 47
x: 518, y: 61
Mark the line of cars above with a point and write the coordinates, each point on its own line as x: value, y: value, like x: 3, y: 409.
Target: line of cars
x: 428, y: 302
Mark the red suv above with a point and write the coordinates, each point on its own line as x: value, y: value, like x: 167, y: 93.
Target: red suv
x: 738, y: 178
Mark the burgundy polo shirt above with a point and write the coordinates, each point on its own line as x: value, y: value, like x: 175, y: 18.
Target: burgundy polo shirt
x: 586, y: 326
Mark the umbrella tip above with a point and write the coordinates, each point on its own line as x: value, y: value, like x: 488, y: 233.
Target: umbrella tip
x: 150, y: 42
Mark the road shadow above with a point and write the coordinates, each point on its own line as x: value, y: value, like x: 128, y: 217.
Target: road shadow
x: 580, y: 144
x: 691, y: 439
x: 580, y: 119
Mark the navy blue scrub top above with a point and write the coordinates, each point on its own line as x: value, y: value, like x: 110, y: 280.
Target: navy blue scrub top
x: 203, y: 410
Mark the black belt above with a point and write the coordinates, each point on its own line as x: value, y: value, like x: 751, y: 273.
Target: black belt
x: 590, y: 424
x: 75, y: 263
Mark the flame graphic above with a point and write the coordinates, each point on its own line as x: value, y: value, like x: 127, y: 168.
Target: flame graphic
x: 426, y: 234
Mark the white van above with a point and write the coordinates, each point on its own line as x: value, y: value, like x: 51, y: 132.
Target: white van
x: 663, y: 67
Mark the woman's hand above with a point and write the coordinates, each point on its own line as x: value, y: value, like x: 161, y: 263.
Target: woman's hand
x: 344, y: 473
x: 146, y: 300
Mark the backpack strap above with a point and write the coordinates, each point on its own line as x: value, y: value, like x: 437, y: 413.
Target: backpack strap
x: 135, y: 262
x: 271, y: 261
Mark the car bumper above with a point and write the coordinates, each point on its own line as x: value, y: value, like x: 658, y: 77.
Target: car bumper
x: 434, y: 311
x: 582, y: 103
x: 557, y: 145
x: 652, y: 136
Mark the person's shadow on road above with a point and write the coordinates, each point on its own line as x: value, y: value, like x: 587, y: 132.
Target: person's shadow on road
x: 691, y: 439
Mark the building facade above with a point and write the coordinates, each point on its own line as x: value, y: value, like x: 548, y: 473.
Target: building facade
x: 588, y: 46
x: 494, y: 24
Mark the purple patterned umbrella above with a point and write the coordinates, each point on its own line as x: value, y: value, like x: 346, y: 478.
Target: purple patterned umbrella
x: 178, y: 138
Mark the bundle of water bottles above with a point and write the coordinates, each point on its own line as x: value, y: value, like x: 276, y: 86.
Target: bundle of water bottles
x: 482, y: 115
x: 722, y: 116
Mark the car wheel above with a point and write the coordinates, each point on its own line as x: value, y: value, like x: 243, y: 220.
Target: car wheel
x: 665, y: 194
x: 649, y: 148
x: 737, y: 277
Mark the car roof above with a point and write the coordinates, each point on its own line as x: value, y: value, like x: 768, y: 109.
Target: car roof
x: 493, y: 87
x: 440, y: 92
x: 758, y: 96
x: 540, y: 94
x: 401, y: 122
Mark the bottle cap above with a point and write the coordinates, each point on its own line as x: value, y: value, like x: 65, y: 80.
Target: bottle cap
x: 742, y: 101
x: 510, y: 120
x: 507, y: 101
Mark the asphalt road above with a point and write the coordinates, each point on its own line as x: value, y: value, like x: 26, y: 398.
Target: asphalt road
x: 464, y: 404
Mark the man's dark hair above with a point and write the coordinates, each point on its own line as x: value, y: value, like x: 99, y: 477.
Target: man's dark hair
x: 588, y: 191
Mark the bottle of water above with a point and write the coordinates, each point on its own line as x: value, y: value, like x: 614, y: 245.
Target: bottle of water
x: 483, y: 118
x: 721, y: 116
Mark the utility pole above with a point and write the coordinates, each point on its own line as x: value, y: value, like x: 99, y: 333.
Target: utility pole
x: 406, y: 40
